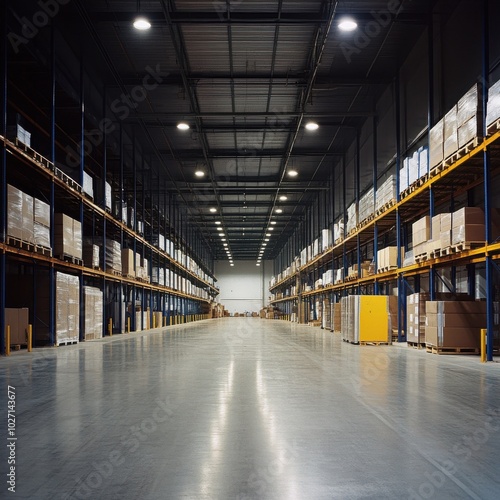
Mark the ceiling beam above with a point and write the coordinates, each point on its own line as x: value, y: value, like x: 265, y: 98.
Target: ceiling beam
x: 255, y: 114
x: 215, y: 154
x: 220, y: 17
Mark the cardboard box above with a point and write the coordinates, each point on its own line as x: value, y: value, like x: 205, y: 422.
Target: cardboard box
x: 18, y: 320
x: 421, y: 230
x: 450, y: 132
x: 436, y: 144
x: 63, y: 235
x: 468, y: 233
x: 94, y: 313
x: 468, y: 215
x: 128, y: 267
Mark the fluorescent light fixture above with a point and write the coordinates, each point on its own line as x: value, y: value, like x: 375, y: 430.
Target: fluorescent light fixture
x: 347, y: 24
x: 141, y: 23
x: 293, y: 173
x: 223, y: 239
x: 271, y: 229
x: 225, y: 244
x: 267, y: 239
x: 217, y: 222
x: 279, y: 211
x: 264, y: 244
x: 283, y: 198
x: 219, y: 229
x: 183, y: 126
x: 221, y: 235
x: 312, y: 126
x: 273, y: 222
x: 213, y: 210
x: 268, y: 234
x: 199, y: 173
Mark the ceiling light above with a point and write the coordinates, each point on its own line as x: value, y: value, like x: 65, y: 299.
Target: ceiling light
x: 264, y: 244
x: 268, y: 234
x: 141, y: 23
x: 217, y: 223
x: 199, y: 173
x: 213, y: 210
x: 225, y: 244
x: 232, y: 265
x: 312, y: 126
x: 271, y: 229
x: 273, y: 222
x: 283, y: 198
x: 219, y: 229
x: 183, y: 126
x: 267, y: 239
x: 279, y: 211
x: 221, y: 235
x: 347, y: 24
x: 293, y: 173
x: 258, y: 265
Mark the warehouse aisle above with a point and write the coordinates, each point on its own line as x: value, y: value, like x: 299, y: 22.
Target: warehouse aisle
x: 252, y: 409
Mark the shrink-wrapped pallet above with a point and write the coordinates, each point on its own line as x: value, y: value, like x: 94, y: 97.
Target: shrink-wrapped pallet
x: 67, y: 308
x: 94, y: 314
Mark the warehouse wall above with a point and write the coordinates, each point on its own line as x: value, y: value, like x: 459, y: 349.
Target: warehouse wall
x: 244, y: 287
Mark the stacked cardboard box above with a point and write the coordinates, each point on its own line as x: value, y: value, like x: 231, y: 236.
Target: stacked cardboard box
x: 470, y: 116
x: 20, y: 133
x: 67, y: 308
x: 128, y: 266
x: 326, y: 239
x: 338, y: 276
x: 157, y: 319
x: 387, y: 258
x: 436, y: 144
x: 67, y: 236
x: 413, y: 168
x: 337, y: 316
x: 416, y: 317
x: 366, y: 205
x: 365, y: 318
x: 88, y: 184
x: 328, y: 277
x: 423, y: 161
x: 113, y: 256
x: 158, y: 275
x: 90, y: 254
x: 352, y: 217
x: 159, y: 241
x: 403, y: 176
x: 41, y: 223
x: 421, y: 231
x: 386, y: 193
x: 94, y: 313
x: 468, y: 226
x: 493, y: 104
x: 326, y: 315
x: 450, y: 136
x: 20, y: 220
x: 454, y: 324
x: 338, y: 231
x: 17, y: 319
x: 364, y: 269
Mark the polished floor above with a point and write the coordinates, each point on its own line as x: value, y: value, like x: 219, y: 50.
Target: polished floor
x: 243, y: 408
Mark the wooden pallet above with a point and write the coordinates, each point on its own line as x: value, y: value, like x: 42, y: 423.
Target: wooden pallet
x: 30, y: 247
x: 387, y: 269
x: 416, y: 345
x: 370, y: 343
x: 68, y: 180
x: 451, y: 350
x: 67, y: 342
x: 467, y: 245
x: 493, y: 127
x: 421, y: 258
x: 37, y: 157
x: 365, y: 222
x: 70, y: 258
x: 385, y: 207
x: 128, y: 276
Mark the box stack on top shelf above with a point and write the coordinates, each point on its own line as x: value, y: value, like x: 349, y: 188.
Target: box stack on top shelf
x: 366, y: 206
x: 386, y: 194
x: 352, y: 218
x: 67, y: 237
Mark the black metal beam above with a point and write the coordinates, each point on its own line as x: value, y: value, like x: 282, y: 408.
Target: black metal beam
x: 254, y: 114
x: 214, y: 154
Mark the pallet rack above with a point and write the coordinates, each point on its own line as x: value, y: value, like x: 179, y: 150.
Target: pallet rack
x: 62, y: 111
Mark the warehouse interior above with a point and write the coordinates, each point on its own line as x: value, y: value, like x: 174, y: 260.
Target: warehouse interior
x: 252, y: 247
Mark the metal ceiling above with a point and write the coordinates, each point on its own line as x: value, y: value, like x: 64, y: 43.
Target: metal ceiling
x: 246, y: 75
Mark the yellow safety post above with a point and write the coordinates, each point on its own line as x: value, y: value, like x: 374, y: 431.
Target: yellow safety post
x: 128, y: 325
x: 154, y: 321
x: 170, y: 321
x: 30, y: 338
x: 483, y: 345
x: 110, y: 327
x: 7, y: 341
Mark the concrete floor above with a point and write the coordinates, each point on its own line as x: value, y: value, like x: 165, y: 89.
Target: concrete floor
x: 251, y: 409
